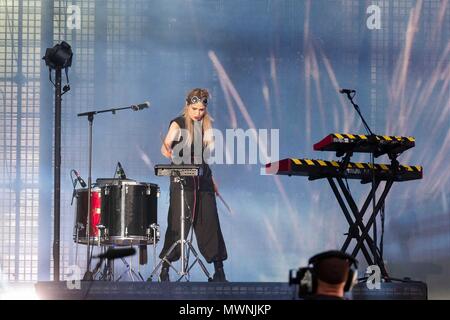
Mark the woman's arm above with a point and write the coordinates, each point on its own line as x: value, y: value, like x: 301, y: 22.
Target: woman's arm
x: 171, y: 136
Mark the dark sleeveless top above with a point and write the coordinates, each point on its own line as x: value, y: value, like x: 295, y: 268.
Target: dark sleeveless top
x: 202, y: 183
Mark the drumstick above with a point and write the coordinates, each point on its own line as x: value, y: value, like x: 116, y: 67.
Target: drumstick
x: 225, y: 204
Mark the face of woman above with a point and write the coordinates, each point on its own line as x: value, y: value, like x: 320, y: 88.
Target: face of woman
x: 196, y: 111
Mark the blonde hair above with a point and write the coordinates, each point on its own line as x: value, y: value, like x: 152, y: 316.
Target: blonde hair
x: 207, y: 120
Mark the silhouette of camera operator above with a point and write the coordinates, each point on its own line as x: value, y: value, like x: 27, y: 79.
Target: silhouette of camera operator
x: 329, y: 275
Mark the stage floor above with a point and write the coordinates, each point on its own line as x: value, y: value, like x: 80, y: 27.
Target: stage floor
x: 213, y: 291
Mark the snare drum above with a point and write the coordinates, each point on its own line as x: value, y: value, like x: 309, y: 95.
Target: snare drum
x: 80, y: 234
x: 129, y: 209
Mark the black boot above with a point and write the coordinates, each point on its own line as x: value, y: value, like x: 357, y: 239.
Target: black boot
x: 164, y: 275
x: 219, y: 274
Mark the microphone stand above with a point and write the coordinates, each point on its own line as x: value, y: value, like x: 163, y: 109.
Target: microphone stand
x: 366, y: 126
x: 90, y: 116
x: 77, y: 224
x: 373, y: 140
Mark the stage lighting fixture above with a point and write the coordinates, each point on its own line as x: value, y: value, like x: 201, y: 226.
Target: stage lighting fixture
x: 57, y: 58
x: 60, y: 56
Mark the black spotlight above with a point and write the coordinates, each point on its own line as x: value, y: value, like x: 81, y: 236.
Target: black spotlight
x: 60, y: 56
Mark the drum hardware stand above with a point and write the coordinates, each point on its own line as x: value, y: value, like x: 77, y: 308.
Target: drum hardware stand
x: 155, y: 228
x: 108, y: 270
x: 99, y: 264
x: 188, y: 251
x: 130, y: 271
x: 184, y: 272
x: 90, y: 116
x: 187, y: 257
x: 79, y: 226
x: 107, y: 273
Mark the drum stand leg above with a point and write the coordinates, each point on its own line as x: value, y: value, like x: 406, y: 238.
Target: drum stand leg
x: 184, y: 272
x: 98, y: 268
x: 109, y: 270
x: 197, y: 259
x: 130, y: 271
x: 137, y: 274
x: 77, y: 227
x: 107, y: 274
x: 154, y: 253
x: 164, y: 259
x: 155, y: 229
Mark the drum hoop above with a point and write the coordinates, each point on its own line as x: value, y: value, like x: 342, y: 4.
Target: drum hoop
x: 93, y: 189
x: 131, y: 183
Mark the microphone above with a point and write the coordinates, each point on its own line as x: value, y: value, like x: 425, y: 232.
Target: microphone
x: 347, y: 91
x: 140, y: 106
x: 80, y: 180
x: 112, y: 254
x: 120, y: 171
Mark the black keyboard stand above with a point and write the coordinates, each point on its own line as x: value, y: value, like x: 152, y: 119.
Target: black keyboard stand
x: 357, y: 229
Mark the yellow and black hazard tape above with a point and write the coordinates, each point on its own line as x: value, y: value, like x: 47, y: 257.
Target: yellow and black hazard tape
x: 318, y: 169
x: 353, y: 165
x: 359, y: 137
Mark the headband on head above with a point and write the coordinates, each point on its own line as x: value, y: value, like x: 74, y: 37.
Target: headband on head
x: 196, y: 99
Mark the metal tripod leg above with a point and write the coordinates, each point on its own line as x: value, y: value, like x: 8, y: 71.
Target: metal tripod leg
x: 131, y: 272
x: 179, y: 272
x: 197, y: 259
x: 164, y: 259
x: 98, y: 267
x: 108, y: 271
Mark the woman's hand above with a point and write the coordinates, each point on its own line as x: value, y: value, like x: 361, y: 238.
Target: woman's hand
x: 166, y: 152
x: 166, y: 149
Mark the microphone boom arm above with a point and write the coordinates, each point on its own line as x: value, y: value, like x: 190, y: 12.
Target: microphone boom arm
x: 134, y: 107
x: 350, y: 97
